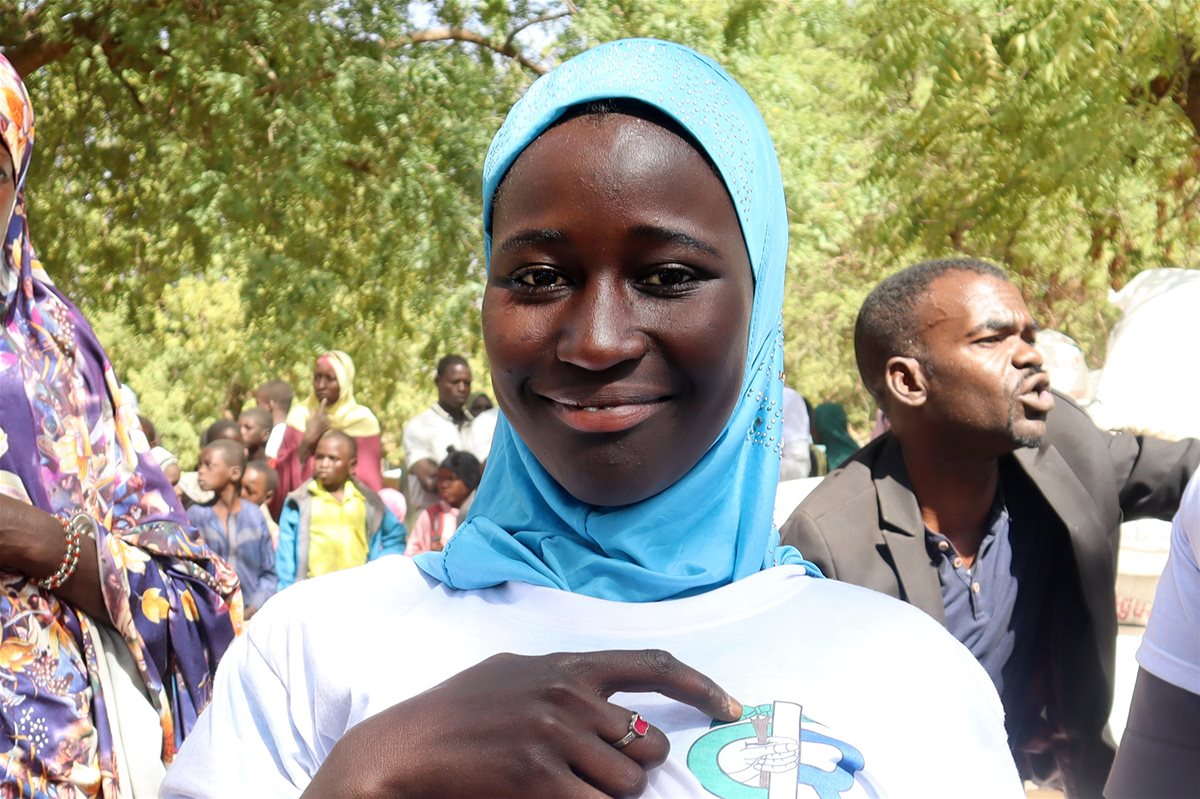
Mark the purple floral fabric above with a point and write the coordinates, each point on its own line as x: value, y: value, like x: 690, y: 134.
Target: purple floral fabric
x: 69, y: 444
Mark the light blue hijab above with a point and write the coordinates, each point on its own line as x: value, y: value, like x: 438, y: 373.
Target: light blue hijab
x: 714, y: 525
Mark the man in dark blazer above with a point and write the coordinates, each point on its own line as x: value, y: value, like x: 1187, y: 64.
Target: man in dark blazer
x: 993, y: 505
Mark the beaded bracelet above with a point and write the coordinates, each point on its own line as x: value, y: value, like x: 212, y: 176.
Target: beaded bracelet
x: 70, y: 561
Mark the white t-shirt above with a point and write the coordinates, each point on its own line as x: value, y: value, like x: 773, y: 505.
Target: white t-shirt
x: 1170, y: 648
x: 275, y: 440
x: 431, y: 432
x: 483, y: 430
x: 860, y: 679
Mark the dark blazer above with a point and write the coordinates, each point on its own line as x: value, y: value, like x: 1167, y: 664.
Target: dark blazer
x: 863, y: 525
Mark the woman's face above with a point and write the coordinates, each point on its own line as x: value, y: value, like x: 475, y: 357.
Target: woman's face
x: 325, y: 382
x: 617, y: 309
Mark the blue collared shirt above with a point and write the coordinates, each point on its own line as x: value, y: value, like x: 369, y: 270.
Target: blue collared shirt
x: 994, y: 607
x: 246, y: 546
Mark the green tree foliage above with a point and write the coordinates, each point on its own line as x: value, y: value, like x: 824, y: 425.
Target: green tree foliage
x: 236, y: 187
x: 233, y: 187
x: 1060, y: 139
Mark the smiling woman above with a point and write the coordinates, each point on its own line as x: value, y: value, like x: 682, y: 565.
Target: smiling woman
x: 600, y: 312
x: 632, y: 319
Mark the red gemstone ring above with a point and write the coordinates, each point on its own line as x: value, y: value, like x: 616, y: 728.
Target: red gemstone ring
x: 638, y: 727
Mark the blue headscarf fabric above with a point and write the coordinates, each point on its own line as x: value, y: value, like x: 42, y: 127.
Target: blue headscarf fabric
x: 714, y: 525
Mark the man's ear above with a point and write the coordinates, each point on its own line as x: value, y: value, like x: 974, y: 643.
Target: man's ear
x: 904, y: 381
x: 235, y: 474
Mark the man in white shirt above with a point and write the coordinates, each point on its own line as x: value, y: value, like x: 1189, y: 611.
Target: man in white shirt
x: 429, y: 435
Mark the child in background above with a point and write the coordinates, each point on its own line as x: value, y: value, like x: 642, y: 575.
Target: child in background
x: 188, y: 487
x: 259, y: 482
x: 233, y: 529
x: 333, y: 521
x: 255, y: 427
x: 457, y: 476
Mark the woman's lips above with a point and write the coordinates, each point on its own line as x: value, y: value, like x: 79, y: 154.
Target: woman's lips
x: 610, y: 416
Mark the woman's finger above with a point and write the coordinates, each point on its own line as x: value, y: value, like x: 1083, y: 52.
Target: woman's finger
x: 632, y: 735
x: 614, y: 771
x: 653, y: 671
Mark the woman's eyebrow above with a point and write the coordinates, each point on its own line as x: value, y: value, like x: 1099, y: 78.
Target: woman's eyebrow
x: 531, y: 238
x: 668, y: 236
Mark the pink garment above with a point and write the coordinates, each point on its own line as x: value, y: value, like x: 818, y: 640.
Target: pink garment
x: 435, y: 525
x: 395, y: 502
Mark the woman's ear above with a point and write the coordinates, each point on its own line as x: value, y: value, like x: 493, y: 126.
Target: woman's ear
x: 904, y: 381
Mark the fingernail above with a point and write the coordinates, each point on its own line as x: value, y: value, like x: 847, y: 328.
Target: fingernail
x: 735, y: 709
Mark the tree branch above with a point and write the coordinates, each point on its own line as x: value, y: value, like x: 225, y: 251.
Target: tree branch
x: 512, y: 35
x: 36, y: 52
x: 470, y: 37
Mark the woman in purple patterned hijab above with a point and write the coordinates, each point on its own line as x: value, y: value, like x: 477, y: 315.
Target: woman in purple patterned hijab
x: 113, y: 619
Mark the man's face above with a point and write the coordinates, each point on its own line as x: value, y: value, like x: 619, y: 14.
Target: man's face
x: 986, y: 385
x: 332, y: 463
x: 454, y: 386
x: 254, y: 487
x: 215, y: 473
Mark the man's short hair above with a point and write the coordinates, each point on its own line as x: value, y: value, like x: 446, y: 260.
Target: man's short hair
x: 278, y: 392
x: 450, y: 360
x: 222, y: 428
x: 887, y: 321
x: 261, y: 416
x: 231, y: 452
x: 338, y: 435
x: 270, y: 476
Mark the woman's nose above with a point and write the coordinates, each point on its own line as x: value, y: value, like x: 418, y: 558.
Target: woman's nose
x: 600, y: 329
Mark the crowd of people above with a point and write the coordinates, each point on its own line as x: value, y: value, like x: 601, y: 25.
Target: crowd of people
x: 596, y: 601
x: 289, y: 491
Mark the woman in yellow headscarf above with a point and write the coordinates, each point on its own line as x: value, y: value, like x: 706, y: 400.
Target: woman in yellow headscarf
x: 331, y: 406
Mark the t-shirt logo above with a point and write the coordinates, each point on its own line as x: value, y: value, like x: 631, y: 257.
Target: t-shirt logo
x: 775, y: 752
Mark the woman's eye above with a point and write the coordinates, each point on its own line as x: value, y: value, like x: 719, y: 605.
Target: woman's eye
x: 669, y: 277
x: 539, y: 278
